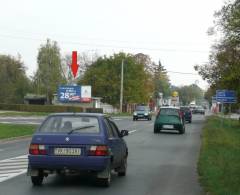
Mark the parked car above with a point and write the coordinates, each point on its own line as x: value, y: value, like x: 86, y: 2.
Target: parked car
x: 75, y: 143
x: 198, y: 110
x: 169, y: 118
x: 187, y: 113
x: 142, y: 112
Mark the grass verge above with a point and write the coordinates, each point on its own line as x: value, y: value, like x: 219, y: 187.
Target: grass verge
x: 120, y: 114
x: 14, y: 130
x: 12, y: 113
x: 219, y: 161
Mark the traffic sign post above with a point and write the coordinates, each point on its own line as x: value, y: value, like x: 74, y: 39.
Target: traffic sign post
x: 226, y: 97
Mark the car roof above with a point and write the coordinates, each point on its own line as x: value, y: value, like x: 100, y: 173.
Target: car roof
x: 78, y: 114
x: 171, y: 107
x: 182, y: 107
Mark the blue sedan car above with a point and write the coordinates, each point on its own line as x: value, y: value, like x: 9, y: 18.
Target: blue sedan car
x: 75, y: 143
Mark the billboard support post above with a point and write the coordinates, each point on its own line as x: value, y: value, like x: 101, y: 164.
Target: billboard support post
x: 121, y: 88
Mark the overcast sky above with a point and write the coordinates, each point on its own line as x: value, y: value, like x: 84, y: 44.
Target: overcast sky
x: 173, y: 31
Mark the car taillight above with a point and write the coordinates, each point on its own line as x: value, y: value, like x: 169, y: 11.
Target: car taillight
x: 98, y: 151
x: 36, y: 149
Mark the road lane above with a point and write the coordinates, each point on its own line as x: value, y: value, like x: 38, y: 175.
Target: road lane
x: 158, y: 164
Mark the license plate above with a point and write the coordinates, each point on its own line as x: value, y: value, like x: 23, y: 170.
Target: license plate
x: 168, y: 126
x: 67, y: 151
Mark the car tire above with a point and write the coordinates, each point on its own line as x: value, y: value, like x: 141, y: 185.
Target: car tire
x: 190, y: 121
x: 37, y: 180
x: 182, y: 130
x: 105, y: 182
x: 123, y: 169
x: 156, y: 130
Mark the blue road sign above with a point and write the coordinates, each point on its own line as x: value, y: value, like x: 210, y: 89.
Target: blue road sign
x: 226, y: 96
x: 69, y: 93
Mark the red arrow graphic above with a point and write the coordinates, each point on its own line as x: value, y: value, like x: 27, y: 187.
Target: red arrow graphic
x: 74, y: 65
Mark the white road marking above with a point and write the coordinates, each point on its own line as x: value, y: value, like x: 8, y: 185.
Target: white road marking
x: 13, y: 167
x: 132, y: 131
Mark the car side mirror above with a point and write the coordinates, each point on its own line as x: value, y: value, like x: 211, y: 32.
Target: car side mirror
x: 123, y: 133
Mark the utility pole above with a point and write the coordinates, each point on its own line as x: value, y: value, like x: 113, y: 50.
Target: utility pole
x: 121, y: 89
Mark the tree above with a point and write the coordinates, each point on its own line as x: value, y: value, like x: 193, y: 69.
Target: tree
x: 49, y: 73
x: 160, y: 81
x: 14, y: 83
x: 84, y: 60
x: 222, y: 71
x: 189, y: 93
x: 104, y: 76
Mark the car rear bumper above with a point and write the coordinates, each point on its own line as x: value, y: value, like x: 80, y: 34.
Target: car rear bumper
x: 89, y: 163
x: 188, y: 118
x: 160, y: 126
x: 142, y: 116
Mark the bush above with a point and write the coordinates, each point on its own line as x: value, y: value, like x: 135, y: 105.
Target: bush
x: 94, y: 110
x: 47, y: 108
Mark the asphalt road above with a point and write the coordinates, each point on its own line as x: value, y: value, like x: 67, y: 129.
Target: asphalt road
x: 158, y: 164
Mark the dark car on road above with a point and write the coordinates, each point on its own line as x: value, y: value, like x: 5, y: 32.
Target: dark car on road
x: 169, y: 118
x: 75, y: 143
x: 187, y: 113
x: 142, y: 112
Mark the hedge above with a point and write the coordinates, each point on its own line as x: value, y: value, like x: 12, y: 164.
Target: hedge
x: 47, y: 108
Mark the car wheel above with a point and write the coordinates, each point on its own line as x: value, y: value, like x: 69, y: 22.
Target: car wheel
x: 105, y: 182
x: 104, y: 177
x: 37, y: 180
x: 156, y: 130
x: 182, y: 130
x: 123, y: 169
x: 190, y: 121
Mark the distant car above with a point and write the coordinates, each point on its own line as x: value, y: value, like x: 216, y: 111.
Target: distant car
x: 142, y: 112
x: 187, y: 113
x: 75, y: 143
x: 198, y: 110
x: 169, y: 118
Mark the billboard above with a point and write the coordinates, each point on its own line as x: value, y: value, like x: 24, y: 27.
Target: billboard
x: 69, y: 93
x: 74, y: 93
x: 86, y: 93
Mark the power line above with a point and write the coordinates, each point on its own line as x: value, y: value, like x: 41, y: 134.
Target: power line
x: 189, y: 73
x: 106, y: 45
x: 103, y: 39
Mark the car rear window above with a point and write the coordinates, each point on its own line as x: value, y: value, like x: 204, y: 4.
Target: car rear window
x: 142, y: 108
x: 168, y: 111
x: 79, y: 124
x: 184, y: 109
